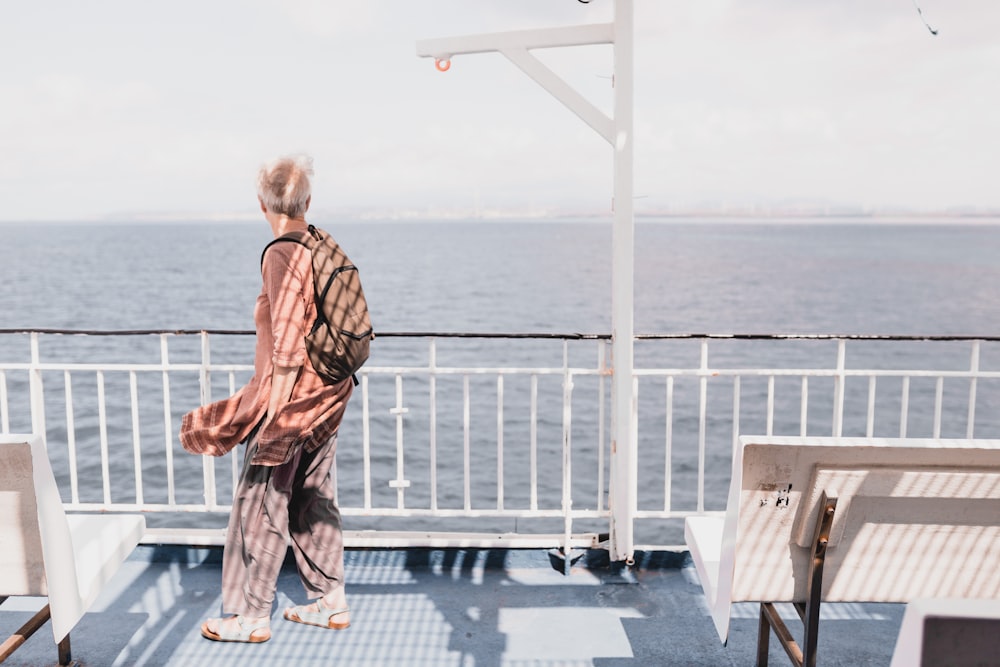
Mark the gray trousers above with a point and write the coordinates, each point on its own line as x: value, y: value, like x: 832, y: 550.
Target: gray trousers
x: 271, y: 504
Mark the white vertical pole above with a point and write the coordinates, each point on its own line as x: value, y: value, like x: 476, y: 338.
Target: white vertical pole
x: 838, y: 390
x: 516, y: 46
x: 36, y: 392
x: 168, y: 428
x: 973, y: 373
x: 207, y: 462
x: 624, y: 438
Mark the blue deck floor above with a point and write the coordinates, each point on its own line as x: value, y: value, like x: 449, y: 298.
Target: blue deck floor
x: 438, y: 608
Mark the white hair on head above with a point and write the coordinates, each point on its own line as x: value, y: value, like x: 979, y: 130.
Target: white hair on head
x: 283, y: 185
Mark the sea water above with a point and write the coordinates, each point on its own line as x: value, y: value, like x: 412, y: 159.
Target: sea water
x: 691, y: 276
x: 555, y: 276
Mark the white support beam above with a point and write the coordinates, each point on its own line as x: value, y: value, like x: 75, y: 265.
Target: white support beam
x: 515, y: 45
x: 581, y: 35
x: 563, y: 92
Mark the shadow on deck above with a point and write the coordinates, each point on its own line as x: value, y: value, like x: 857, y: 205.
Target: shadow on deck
x: 415, y: 607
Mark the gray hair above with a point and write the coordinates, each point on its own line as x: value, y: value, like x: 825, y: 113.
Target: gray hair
x: 283, y: 185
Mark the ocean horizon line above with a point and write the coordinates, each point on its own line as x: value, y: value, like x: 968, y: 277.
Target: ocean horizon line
x: 325, y: 217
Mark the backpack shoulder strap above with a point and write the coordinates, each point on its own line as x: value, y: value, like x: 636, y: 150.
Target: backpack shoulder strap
x: 302, y: 238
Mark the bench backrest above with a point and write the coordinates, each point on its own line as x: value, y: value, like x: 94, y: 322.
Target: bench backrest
x: 22, y: 571
x: 915, y: 518
x: 37, y: 551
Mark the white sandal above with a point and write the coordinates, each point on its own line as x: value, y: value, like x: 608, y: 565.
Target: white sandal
x: 245, y: 633
x: 322, y: 618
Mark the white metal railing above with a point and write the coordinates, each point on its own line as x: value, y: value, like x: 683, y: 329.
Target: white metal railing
x: 474, y: 439
x: 888, y: 396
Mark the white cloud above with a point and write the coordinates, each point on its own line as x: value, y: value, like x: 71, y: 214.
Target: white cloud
x: 135, y: 107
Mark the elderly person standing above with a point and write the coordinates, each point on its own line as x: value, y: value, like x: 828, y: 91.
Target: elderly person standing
x: 289, y: 419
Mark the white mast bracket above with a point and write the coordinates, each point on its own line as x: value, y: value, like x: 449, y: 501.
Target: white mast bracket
x: 516, y: 46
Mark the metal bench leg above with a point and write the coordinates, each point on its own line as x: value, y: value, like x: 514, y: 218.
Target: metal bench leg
x: 65, y: 654
x: 811, y: 616
x: 23, y: 633
x: 763, y: 638
x: 770, y: 619
x: 809, y: 612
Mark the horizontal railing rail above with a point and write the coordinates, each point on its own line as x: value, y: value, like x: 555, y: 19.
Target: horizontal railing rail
x: 484, y: 438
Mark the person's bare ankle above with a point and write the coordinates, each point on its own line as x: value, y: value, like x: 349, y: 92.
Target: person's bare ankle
x: 335, y: 600
x: 255, y: 619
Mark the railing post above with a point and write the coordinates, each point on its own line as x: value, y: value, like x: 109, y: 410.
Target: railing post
x: 432, y: 416
x: 838, y: 389
x: 4, y: 410
x: 36, y: 391
x: 702, y: 423
x: 366, y: 441
x: 400, y: 483
x: 205, y: 383
x: 168, y: 428
x: 567, y: 457
x: 602, y: 366
x: 973, y: 376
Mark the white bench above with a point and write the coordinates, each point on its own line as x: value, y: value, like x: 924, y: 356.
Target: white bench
x: 948, y: 631
x: 849, y: 520
x: 47, y: 553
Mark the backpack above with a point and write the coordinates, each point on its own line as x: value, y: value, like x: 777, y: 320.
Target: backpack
x: 338, y: 342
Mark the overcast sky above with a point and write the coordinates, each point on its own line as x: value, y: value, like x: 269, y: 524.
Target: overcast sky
x: 122, y: 108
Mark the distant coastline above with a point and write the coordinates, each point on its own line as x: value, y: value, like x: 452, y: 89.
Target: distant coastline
x: 752, y: 214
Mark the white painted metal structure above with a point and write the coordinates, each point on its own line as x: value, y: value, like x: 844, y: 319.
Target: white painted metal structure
x: 617, y: 131
x: 428, y: 446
